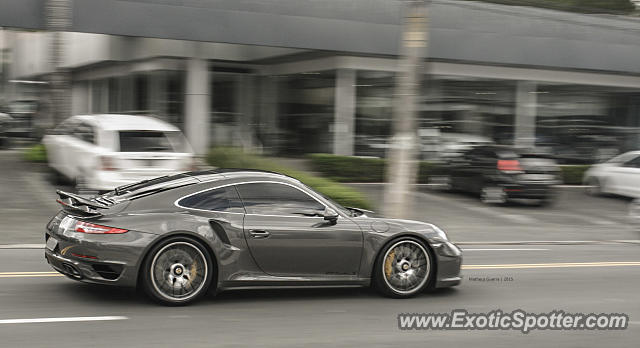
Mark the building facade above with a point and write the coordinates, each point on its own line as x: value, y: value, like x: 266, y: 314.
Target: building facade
x: 512, y: 75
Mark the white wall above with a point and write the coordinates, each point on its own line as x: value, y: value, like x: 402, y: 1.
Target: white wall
x: 30, y: 56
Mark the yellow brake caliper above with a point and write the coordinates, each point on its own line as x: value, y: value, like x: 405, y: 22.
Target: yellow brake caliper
x: 388, y: 263
x: 193, y: 273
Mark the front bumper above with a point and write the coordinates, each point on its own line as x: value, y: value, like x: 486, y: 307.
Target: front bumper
x: 449, y: 261
x: 101, y: 259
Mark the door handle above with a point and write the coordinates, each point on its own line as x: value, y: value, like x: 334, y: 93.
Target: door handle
x: 257, y: 234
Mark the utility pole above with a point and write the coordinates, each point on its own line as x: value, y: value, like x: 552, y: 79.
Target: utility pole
x: 59, y: 20
x: 402, y: 166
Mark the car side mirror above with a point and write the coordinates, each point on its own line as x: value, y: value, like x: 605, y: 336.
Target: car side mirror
x: 330, y: 215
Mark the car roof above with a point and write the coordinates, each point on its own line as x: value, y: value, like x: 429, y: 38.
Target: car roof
x: 237, y: 173
x: 212, y: 176
x: 117, y: 122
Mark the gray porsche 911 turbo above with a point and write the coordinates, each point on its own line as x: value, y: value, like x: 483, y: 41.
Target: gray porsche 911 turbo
x: 180, y: 236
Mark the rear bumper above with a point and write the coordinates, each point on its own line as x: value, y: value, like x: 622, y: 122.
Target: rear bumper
x: 96, y: 259
x: 533, y: 191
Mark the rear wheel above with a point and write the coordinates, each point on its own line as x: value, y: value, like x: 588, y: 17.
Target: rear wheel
x: 55, y: 177
x: 493, y: 195
x: 634, y: 213
x: 177, y: 271
x: 594, y: 187
x: 403, y: 268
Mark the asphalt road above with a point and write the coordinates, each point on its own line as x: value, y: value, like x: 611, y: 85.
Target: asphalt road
x: 330, y: 317
x: 580, y: 255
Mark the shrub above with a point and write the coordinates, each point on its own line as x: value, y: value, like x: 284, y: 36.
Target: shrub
x: 348, y: 169
x: 228, y: 157
x: 360, y: 169
x: 573, y: 174
x: 35, y: 153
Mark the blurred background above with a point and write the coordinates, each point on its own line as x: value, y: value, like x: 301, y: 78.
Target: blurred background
x: 531, y: 76
x: 558, y: 80
x: 525, y: 121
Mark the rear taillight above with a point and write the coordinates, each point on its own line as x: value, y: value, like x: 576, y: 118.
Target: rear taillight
x: 107, y: 163
x: 87, y: 227
x: 509, y: 165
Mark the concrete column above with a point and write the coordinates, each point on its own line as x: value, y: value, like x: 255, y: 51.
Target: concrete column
x: 524, y: 134
x: 245, y: 106
x: 197, y: 104
x: 268, y: 112
x: 344, y: 125
x: 80, y: 98
x: 157, y: 94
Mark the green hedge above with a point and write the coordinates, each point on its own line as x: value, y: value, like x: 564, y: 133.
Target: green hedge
x: 573, y: 174
x: 348, y: 169
x: 226, y: 157
x: 35, y: 153
x: 360, y: 169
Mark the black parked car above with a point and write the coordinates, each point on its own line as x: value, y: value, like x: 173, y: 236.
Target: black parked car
x: 500, y: 173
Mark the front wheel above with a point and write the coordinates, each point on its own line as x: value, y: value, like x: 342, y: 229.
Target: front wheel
x: 178, y: 271
x: 403, y: 268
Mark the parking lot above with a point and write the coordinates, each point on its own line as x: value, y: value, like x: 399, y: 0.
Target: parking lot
x: 574, y: 216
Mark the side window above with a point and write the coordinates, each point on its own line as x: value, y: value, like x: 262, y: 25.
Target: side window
x: 84, y: 132
x: 277, y: 199
x: 65, y: 128
x: 634, y: 163
x: 224, y: 199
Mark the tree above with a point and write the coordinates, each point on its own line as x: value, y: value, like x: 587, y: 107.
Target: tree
x: 402, y: 165
x: 58, y: 17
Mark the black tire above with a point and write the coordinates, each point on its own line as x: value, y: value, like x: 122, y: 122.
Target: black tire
x: 158, y: 279
x: 594, y: 187
x: 491, y: 194
x: 55, y: 177
x: 381, y: 274
x: 545, y: 202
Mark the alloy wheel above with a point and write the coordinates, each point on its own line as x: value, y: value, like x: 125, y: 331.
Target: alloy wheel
x: 179, y: 271
x: 406, y: 267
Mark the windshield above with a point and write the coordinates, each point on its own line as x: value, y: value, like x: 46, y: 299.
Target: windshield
x: 151, y: 141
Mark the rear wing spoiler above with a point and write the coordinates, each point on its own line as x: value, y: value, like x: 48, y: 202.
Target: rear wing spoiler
x: 78, y: 205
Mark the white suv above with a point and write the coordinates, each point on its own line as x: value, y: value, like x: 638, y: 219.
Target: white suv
x: 101, y: 152
x: 619, y: 175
